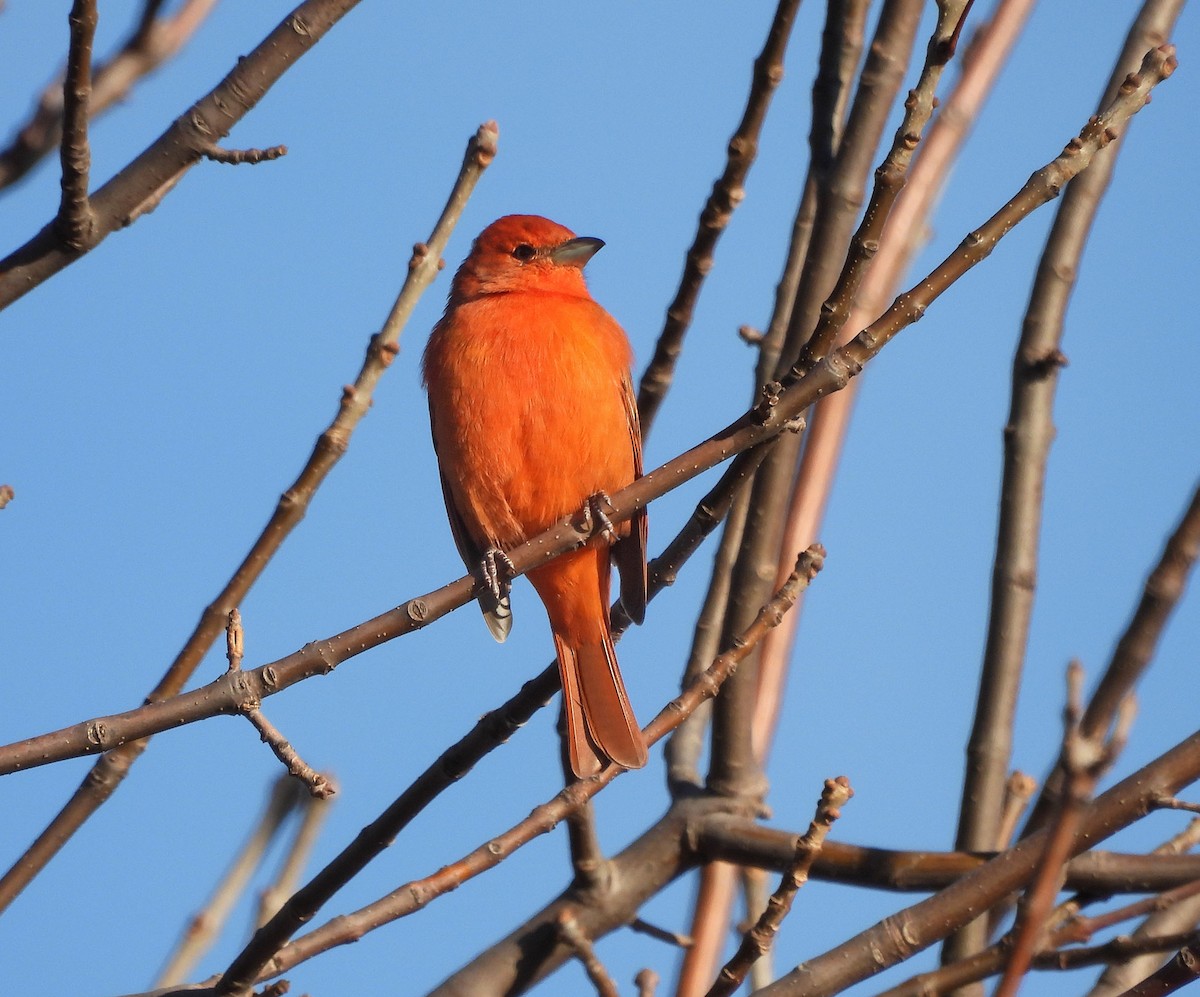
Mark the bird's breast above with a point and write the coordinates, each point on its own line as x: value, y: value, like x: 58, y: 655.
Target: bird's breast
x: 529, y: 418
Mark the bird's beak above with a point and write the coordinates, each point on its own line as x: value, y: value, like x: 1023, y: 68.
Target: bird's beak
x: 576, y: 252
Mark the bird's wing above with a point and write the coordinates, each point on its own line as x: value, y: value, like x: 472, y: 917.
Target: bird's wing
x: 629, y: 553
x: 497, y: 613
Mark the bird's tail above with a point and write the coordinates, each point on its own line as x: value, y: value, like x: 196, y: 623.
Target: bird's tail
x: 600, y: 721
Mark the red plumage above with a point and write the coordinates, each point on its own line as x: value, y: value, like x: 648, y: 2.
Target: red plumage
x: 533, y: 412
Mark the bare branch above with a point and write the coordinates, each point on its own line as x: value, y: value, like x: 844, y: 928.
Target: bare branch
x: 110, y: 770
x: 774, y: 415
x: 1084, y: 759
x: 662, y: 934
x: 890, y: 178
x: 236, y: 157
x: 573, y: 935
x: 314, y: 810
x: 178, y: 149
x: 1018, y: 791
x: 75, y: 221
x: 1163, y: 589
x: 734, y: 769
x: 1177, y: 973
x: 727, y: 194
x: 745, y: 842
x: 155, y: 40
x: 204, y: 927
x: 759, y: 939
x: 1027, y: 439
x: 911, y: 930
x: 263, y: 958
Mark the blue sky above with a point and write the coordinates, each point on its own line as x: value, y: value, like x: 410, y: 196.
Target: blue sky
x: 157, y: 396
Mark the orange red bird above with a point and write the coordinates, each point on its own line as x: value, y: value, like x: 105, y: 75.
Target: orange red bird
x: 533, y: 414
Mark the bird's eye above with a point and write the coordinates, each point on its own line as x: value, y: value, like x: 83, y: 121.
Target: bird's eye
x: 524, y: 252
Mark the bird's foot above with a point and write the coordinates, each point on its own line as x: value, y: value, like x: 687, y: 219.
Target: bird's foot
x: 594, y: 517
x: 497, y: 570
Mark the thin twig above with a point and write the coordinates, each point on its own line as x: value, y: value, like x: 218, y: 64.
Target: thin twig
x: 314, y: 781
x: 110, y: 770
x: 727, y: 194
x: 263, y: 958
x: 314, y: 810
x: 204, y: 926
x: 316, y: 784
x: 75, y: 220
x: 662, y: 934
x: 179, y: 148
x: 154, y: 40
x: 573, y: 935
x: 1018, y: 791
x: 1028, y: 435
x: 236, y: 157
x: 1162, y: 591
x: 774, y: 415
x: 755, y: 896
x: 760, y: 938
x: 1084, y: 759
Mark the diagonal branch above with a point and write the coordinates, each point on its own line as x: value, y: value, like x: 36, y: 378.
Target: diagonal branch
x: 759, y: 939
x: 1084, y: 759
x: 259, y: 958
x: 99, y: 784
x: 1027, y: 440
x: 775, y: 414
x: 154, y: 40
x: 1162, y: 591
x: 727, y: 194
x: 413, y: 896
x: 178, y: 149
x: 914, y: 929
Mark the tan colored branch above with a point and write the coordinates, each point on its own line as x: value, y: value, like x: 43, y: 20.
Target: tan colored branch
x: 264, y: 958
x: 1084, y: 759
x: 760, y: 938
x: 178, y: 149
x: 156, y: 39
x: 1028, y: 436
x: 727, y: 194
x: 573, y: 935
x: 76, y: 221
x: 110, y: 770
x: 203, y: 928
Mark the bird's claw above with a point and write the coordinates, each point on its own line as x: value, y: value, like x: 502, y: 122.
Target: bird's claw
x: 497, y: 570
x: 595, y: 517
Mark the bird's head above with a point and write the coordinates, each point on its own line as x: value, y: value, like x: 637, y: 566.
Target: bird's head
x: 525, y: 253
